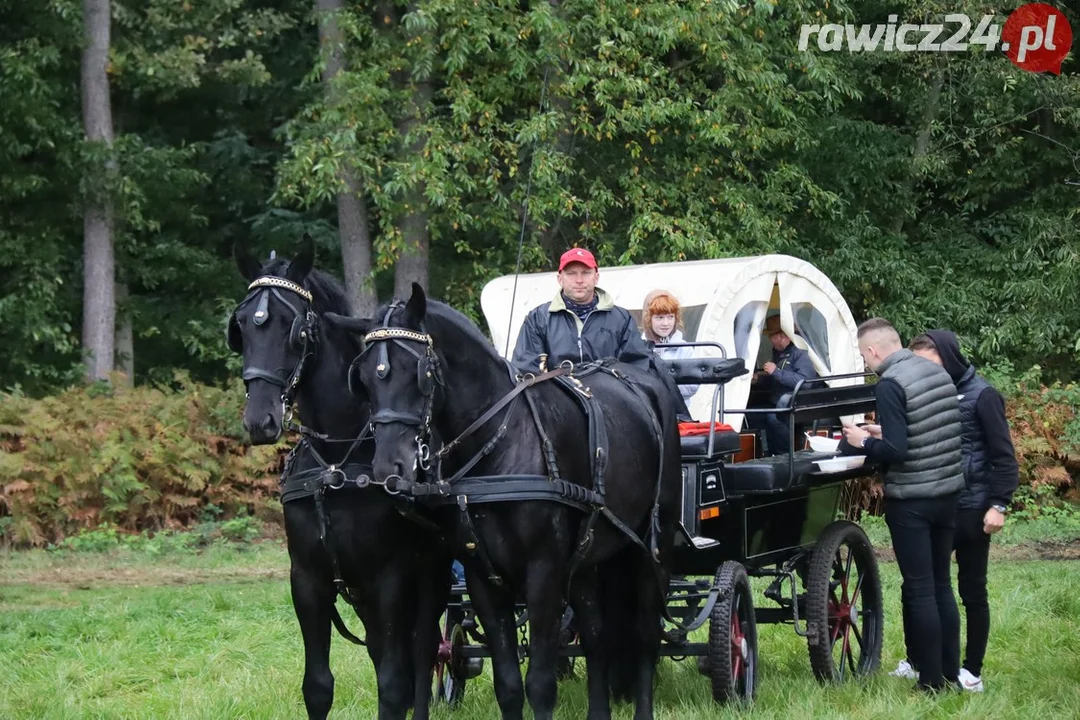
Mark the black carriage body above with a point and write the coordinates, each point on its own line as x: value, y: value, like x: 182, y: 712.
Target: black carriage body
x: 753, y: 528
x: 765, y: 510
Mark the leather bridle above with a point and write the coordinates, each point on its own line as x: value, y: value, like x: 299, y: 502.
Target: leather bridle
x: 428, y: 377
x: 302, y: 336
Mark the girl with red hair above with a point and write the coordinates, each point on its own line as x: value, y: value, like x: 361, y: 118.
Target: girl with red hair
x: 661, y: 318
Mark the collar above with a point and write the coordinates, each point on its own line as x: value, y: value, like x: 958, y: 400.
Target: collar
x: 604, y: 302
x: 675, y: 336
x: 901, y: 354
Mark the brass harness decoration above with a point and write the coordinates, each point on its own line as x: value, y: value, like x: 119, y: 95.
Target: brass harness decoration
x: 390, y: 333
x: 269, y: 281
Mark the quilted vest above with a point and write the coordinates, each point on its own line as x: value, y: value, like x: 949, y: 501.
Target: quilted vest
x: 933, y: 466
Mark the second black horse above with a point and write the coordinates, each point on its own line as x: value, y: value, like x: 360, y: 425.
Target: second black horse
x: 609, y: 490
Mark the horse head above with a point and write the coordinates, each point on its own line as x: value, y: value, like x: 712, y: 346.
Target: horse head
x: 274, y: 329
x: 402, y: 374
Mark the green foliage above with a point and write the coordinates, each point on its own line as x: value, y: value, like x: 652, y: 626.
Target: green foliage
x: 107, y: 538
x: 132, y: 459
x: 930, y: 188
x: 1045, y: 425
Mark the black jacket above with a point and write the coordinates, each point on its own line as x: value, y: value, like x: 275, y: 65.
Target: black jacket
x: 609, y: 331
x: 990, y: 467
x: 552, y: 329
x: 792, y: 365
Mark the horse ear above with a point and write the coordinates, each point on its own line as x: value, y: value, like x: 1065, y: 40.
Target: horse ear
x: 304, y: 260
x: 351, y: 325
x: 249, y: 267
x: 416, y: 308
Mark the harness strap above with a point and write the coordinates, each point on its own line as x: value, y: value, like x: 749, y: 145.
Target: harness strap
x: 521, y: 387
x: 545, y: 442
x: 339, y: 584
x: 715, y: 594
x: 335, y: 617
x: 472, y: 542
x: 490, y: 444
x: 598, y: 449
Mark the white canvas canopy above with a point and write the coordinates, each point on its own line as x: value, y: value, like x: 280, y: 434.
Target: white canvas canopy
x: 724, y: 301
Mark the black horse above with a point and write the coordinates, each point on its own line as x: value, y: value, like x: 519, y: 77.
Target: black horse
x: 428, y: 368
x: 343, y: 533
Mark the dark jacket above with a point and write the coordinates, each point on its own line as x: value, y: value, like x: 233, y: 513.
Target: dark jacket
x: 920, y: 423
x: 990, y: 467
x: 792, y: 365
x: 608, y: 331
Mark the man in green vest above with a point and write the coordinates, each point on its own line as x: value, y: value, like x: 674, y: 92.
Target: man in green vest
x: 918, y: 443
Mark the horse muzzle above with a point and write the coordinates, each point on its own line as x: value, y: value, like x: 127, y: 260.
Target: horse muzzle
x: 263, y: 431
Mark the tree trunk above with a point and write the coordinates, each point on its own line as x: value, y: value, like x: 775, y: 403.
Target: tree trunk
x: 99, y: 267
x: 922, y: 144
x: 413, y: 261
x: 552, y: 240
x: 412, y: 264
x: 354, y: 229
x: 125, y: 335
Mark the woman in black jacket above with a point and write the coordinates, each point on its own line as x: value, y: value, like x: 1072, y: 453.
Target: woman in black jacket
x: 992, y: 476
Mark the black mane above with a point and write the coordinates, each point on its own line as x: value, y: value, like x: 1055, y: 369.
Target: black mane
x: 458, y: 321
x: 327, y: 292
x: 462, y: 324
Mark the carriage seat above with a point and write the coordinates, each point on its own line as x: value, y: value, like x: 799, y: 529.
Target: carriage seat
x: 771, y: 474
x: 705, y: 370
x: 694, y: 440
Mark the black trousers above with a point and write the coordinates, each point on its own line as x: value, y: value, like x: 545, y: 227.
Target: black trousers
x: 922, y: 536
x: 972, y: 547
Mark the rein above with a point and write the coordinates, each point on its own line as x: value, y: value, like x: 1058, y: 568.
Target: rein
x: 462, y: 489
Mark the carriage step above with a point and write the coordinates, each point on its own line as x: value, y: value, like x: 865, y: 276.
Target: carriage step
x: 703, y: 542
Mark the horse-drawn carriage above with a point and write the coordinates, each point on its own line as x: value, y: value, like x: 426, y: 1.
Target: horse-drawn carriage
x: 375, y: 521
x: 743, y: 513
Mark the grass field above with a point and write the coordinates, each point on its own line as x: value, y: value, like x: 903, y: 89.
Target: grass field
x: 211, y: 634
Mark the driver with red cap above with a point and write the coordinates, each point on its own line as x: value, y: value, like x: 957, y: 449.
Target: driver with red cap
x: 582, y: 323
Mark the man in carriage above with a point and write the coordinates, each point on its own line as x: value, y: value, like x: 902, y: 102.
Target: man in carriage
x: 581, y: 324
x: 789, y: 365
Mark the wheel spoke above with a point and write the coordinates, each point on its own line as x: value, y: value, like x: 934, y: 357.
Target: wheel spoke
x: 858, y: 587
x: 858, y: 636
x: 850, y: 653
x: 843, y: 652
x: 834, y: 602
x: 847, y: 569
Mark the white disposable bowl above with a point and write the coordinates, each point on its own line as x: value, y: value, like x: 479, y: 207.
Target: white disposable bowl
x: 839, y: 464
x: 822, y: 444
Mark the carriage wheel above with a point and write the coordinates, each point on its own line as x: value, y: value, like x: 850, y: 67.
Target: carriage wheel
x: 732, y: 664
x: 843, y: 604
x: 450, y: 674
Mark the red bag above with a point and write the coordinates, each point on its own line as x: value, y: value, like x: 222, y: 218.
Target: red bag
x: 687, y: 429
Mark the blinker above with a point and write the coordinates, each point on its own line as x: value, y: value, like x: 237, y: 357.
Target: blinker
x: 261, y: 313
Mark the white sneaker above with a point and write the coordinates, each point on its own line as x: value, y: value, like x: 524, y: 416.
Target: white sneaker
x: 969, y: 682
x: 904, y: 670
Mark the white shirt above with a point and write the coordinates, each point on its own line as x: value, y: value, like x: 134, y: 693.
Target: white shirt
x: 675, y: 353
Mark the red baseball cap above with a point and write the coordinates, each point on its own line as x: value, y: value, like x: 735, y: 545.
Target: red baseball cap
x: 579, y: 255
